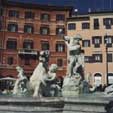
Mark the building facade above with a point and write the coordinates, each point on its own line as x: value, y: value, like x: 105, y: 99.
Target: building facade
x: 26, y: 29
x: 96, y: 29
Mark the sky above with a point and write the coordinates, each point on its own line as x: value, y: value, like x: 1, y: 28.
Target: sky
x: 81, y: 5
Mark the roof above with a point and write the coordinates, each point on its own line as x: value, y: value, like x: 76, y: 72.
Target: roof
x: 38, y: 6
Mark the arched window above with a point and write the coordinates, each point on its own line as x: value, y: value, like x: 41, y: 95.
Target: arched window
x: 98, y: 79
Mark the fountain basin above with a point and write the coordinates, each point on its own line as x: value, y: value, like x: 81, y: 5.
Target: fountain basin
x: 81, y: 104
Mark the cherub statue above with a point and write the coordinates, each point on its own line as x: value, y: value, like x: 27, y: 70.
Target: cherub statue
x: 52, y: 82
x: 21, y: 84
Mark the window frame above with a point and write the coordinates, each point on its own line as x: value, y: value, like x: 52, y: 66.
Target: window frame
x: 72, y: 26
x: 12, y: 46
x: 12, y: 27
x: 42, y: 32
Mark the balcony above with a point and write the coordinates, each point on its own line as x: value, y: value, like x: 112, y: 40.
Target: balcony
x: 28, y: 52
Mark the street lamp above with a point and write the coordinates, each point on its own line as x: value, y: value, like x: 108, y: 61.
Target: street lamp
x: 106, y: 45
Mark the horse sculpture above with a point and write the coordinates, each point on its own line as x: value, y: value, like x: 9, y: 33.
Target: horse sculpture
x: 42, y: 77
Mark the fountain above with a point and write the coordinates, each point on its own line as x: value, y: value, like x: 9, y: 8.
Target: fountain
x: 42, y: 82
x: 43, y: 94
x: 73, y: 80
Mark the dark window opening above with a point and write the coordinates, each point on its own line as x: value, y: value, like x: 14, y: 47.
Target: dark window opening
x: 96, y: 23
x: 88, y: 59
x: 28, y: 44
x: 1, y: 11
x: 45, y: 17
x: 60, y: 17
x: 60, y: 31
x: 59, y: 62
x: 44, y: 30
x: 108, y: 40
x: 60, y: 47
x: 28, y: 29
x: 0, y: 25
x: 13, y: 13
x: 10, y: 60
x: 45, y: 45
x: 12, y: 27
x: 85, y: 25
x: 97, y: 40
x: 29, y: 15
x: 109, y: 57
x: 97, y: 57
x: 27, y: 61
x: 11, y: 44
x: 108, y: 22
x: 71, y: 26
x: 86, y: 43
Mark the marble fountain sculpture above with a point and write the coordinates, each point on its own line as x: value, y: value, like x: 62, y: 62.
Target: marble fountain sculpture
x: 43, y: 82
x: 75, y: 69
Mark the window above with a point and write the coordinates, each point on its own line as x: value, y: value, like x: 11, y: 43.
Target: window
x: 10, y: 60
x: 108, y: 40
x: 97, y: 57
x: 109, y: 57
x: 110, y: 78
x: 88, y: 59
x: 97, y: 40
x: 60, y: 31
x: 108, y: 22
x: 59, y: 62
x: 60, y: 47
x: 45, y: 45
x: 1, y: 11
x: 28, y: 29
x: 27, y: 61
x: 28, y: 44
x: 96, y: 23
x: 86, y: 43
x: 13, y: 13
x: 60, y: 17
x: 71, y: 26
x: 11, y: 44
x: 12, y: 27
x: 45, y: 17
x: 0, y: 43
x: 29, y: 15
x: 85, y: 25
x: 44, y: 30
x: 0, y: 25
x: 98, y: 79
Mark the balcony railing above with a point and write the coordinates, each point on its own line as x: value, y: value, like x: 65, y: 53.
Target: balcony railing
x: 7, y: 66
x: 27, y: 52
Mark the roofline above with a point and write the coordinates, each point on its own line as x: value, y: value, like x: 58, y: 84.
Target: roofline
x: 78, y: 18
x: 101, y: 12
x: 38, y: 6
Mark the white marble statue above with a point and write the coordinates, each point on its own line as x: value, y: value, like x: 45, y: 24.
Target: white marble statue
x: 21, y: 84
x: 39, y: 75
x: 75, y: 57
x: 72, y: 81
x: 42, y: 79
